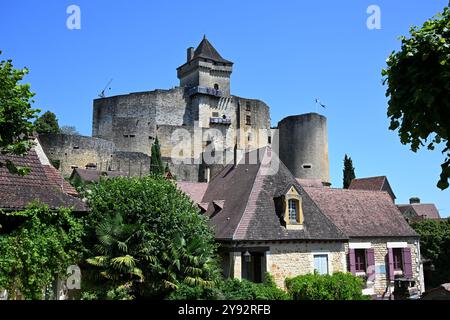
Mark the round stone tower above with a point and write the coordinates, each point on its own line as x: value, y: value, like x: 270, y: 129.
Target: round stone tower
x: 303, y: 146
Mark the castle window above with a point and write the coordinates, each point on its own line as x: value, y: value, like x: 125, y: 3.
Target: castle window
x: 249, y: 137
x: 215, y: 114
x: 76, y: 147
x: 125, y: 136
x: 248, y: 120
x: 307, y: 166
x: 181, y: 153
x: 150, y: 137
x: 269, y: 140
x: 248, y: 106
x: 216, y: 86
x: 132, y: 136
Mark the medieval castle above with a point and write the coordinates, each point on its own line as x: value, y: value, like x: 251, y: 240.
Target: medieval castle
x: 202, y: 116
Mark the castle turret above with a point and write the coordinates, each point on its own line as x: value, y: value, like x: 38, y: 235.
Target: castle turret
x: 303, y: 146
x: 206, y: 68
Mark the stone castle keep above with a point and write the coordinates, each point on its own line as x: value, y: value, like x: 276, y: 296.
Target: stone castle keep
x: 124, y: 127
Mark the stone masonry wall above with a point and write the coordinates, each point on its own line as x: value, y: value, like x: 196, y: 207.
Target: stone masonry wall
x: 382, y: 285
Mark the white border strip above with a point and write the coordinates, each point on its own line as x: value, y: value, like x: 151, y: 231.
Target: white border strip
x: 397, y: 245
x: 360, y: 245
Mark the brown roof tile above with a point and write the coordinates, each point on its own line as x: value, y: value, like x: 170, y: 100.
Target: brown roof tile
x: 361, y: 213
x: 43, y: 183
x: 422, y: 210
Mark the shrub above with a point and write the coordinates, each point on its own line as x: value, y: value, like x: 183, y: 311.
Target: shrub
x: 339, y: 286
x: 234, y: 289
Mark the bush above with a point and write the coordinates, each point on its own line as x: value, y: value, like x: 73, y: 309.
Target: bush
x: 339, y: 286
x: 232, y: 289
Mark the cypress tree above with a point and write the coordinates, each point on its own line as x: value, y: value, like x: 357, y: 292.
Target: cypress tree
x: 156, y: 164
x: 349, y: 171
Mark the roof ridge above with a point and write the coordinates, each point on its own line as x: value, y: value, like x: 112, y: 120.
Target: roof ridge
x: 239, y: 225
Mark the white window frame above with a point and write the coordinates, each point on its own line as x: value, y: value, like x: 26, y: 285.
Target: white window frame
x: 359, y: 245
x: 322, y: 253
x: 396, y: 245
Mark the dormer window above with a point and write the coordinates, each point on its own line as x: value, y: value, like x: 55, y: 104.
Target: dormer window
x: 293, y: 213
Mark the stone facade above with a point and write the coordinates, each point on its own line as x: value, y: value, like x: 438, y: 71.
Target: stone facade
x: 287, y: 259
x: 382, y: 286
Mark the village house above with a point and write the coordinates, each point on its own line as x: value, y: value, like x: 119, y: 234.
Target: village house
x: 272, y: 222
x: 44, y: 183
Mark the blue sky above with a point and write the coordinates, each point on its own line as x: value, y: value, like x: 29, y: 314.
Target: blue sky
x: 286, y: 53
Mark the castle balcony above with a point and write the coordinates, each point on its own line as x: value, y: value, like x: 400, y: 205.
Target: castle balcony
x: 205, y: 90
x: 220, y: 120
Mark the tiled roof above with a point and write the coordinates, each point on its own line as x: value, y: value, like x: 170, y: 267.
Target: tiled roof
x: 195, y: 190
x: 247, y: 192
x: 206, y: 50
x: 89, y: 175
x: 422, y: 210
x: 43, y: 183
x: 373, y: 184
x: 360, y: 213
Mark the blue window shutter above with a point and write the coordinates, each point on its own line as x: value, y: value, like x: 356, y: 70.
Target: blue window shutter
x: 407, y: 264
x: 351, y: 260
x: 391, y: 264
x: 370, y: 260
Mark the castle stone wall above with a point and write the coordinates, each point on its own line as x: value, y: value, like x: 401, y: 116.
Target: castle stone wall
x: 76, y: 151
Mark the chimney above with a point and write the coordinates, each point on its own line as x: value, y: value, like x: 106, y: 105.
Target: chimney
x: 414, y: 200
x: 190, y: 53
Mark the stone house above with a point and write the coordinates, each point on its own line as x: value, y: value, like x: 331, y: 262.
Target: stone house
x: 266, y: 220
x: 381, y: 246
x: 44, y: 183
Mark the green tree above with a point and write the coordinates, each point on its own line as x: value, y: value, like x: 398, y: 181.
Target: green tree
x: 418, y: 81
x: 145, y: 232
x: 349, y: 171
x: 435, y: 245
x: 15, y: 114
x: 47, y: 123
x: 71, y: 130
x: 156, y: 164
x: 43, y: 245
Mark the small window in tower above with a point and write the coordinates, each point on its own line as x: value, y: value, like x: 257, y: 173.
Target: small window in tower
x: 248, y: 107
x: 248, y: 120
x: 249, y: 137
x: 216, y: 86
x: 76, y: 147
x: 269, y: 140
x: 307, y: 166
x: 215, y: 114
x: 125, y: 136
x: 181, y: 153
x: 132, y: 136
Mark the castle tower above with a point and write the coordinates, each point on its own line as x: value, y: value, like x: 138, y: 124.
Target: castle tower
x: 205, y: 68
x: 303, y: 146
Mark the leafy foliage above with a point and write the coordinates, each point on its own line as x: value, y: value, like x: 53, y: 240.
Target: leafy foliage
x: 69, y: 130
x: 144, y: 231
x: 348, y: 172
x: 43, y: 245
x: 233, y: 289
x: 339, y: 286
x: 156, y: 164
x: 418, y: 80
x: 435, y: 245
x: 47, y: 123
x: 15, y: 114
